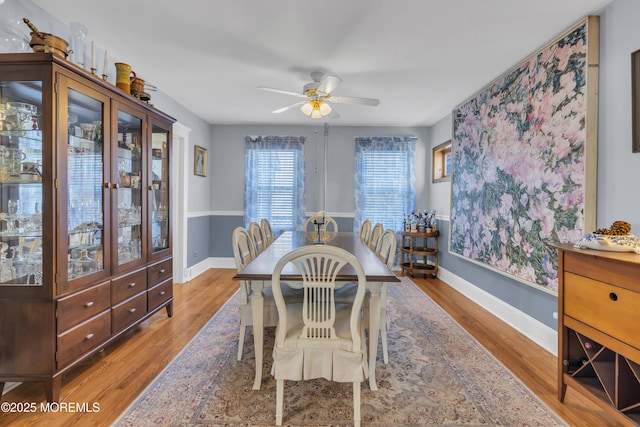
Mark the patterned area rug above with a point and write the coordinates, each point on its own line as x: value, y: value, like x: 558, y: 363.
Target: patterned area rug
x: 437, y: 375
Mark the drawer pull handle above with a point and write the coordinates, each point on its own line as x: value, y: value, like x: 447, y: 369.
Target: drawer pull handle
x: 162, y: 293
x: 132, y: 284
x: 162, y: 271
x: 613, y: 296
x: 89, y: 304
x: 132, y: 310
x: 88, y: 337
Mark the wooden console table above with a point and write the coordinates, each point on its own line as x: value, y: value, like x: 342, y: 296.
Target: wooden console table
x: 598, y: 339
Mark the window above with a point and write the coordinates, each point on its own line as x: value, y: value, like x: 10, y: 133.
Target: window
x: 385, y: 188
x: 274, y: 181
x: 442, y: 162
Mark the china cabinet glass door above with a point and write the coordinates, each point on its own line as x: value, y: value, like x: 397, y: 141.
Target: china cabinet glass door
x: 159, y: 204
x: 21, y: 194
x: 85, y: 177
x: 129, y: 188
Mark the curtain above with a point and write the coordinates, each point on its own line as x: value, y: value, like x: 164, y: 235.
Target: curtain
x: 384, y: 183
x: 274, y: 181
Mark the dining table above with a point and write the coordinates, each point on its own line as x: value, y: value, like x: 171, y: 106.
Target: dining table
x: 259, y: 272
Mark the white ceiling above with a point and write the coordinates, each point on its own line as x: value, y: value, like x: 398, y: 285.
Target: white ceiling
x: 421, y: 58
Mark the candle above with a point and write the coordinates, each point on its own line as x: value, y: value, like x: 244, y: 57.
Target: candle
x: 93, y: 55
x: 106, y: 55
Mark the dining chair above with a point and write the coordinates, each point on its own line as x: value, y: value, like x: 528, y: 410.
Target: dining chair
x: 319, y: 338
x: 267, y: 232
x: 386, y: 251
x: 365, y: 230
x: 328, y: 229
x: 374, y: 238
x: 258, y: 238
x: 244, y: 252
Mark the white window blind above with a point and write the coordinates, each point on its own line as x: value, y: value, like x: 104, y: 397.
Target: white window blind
x: 385, y: 181
x: 274, y: 182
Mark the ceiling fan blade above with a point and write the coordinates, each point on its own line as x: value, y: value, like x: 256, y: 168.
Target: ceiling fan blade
x: 288, y: 107
x: 328, y: 85
x: 354, y: 100
x: 286, y: 92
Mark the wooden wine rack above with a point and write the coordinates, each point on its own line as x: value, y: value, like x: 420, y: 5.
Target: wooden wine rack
x: 609, y: 376
x: 598, y: 308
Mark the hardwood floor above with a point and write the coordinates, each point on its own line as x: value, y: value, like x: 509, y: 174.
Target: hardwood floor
x: 114, y: 377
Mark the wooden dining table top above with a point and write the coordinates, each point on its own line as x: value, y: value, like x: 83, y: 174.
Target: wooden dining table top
x: 261, y: 268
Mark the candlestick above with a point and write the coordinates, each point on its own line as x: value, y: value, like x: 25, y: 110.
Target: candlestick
x: 93, y: 54
x: 106, y: 55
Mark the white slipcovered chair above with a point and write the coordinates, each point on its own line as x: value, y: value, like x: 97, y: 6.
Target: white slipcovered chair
x: 258, y: 238
x: 365, y: 231
x: 244, y: 252
x: 319, y: 338
x: 374, y: 238
x: 386, y: 251
x: 267, y: 232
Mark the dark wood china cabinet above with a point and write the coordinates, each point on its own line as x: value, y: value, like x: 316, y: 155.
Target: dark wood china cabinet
x: 85, y: 236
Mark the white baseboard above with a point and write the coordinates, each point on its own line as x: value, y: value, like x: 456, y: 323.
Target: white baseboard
x: 199, y: 268
x: 533, y: 329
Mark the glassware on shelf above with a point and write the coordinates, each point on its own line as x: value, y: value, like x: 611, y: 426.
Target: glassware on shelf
x: 19, y: 262
x: 85, y: 264
x: 7, y: 272
x: 78, y: 35
x: 13, y: 35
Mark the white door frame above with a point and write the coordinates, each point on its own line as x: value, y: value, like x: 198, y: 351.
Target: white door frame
x: 180, y: 152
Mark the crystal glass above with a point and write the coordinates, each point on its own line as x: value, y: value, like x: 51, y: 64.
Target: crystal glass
x: 78, y: 36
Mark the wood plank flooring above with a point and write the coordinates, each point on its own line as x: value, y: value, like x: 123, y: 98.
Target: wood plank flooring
x: 114, y: 377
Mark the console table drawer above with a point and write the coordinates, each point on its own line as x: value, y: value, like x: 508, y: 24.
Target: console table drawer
x: 86, y: 336
x: 127, y: 286
x: 128, y: 312
x: 610, y: 309
x: 159, y: 294
x: 81, y: 306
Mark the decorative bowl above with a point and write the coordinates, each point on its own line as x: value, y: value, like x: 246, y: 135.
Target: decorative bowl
x: 612, y: 243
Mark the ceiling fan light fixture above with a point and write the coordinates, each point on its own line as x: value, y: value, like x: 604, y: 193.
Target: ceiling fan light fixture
x: 307, y: 108
x: 316, y: 108
x: 325, y: 109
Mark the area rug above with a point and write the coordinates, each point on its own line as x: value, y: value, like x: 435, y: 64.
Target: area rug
x: 437, y: 375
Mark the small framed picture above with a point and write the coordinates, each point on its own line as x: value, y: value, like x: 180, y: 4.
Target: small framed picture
x: 200, y: 161
x: 635, y: 101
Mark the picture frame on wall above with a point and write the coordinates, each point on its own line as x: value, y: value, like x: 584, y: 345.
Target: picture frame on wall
x: 200, y: 161
x: 520, y: 179
x: 635, y: 101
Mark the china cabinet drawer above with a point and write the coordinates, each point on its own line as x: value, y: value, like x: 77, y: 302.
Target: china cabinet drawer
x: 128, y: 312
x: 159, y: 272
x: 159, y: 294
x: 610, y: 309
x: 82, y: 305
x: 86, y: 336
x: 127, y: 286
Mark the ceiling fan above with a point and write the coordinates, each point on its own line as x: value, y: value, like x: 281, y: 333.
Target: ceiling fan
x: 317, y: 96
